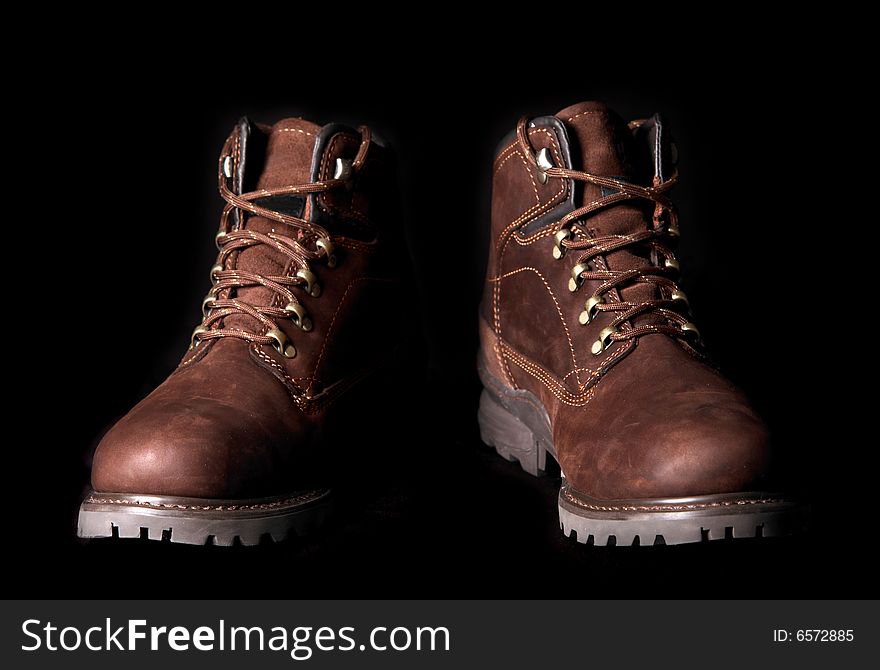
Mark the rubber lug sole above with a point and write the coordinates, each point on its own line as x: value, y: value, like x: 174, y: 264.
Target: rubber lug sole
x: 201, y: 521
x: 523, y: 435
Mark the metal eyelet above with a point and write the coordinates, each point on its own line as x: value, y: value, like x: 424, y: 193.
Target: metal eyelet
x: 673, y: 231
x: 325, y: 244
x: 589, y: 310
x: 195, y: 340
x: 342, y: 169
x: 544, y: 163
x: 558, y: 248
x: 576, y: 280
x: 691, y: 331
x: 602, y: 343
x: 218, y: 239
x: 678, y: 295
x: 298, y: 315
x: 205, y: 304
x: 227, y: 167
x: 671, y: 264
x: 282, y: 345
x: 214, y: 270
x: 311, y: 280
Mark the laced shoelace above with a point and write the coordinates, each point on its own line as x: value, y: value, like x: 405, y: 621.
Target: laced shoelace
x: 662, y: 271
x: 309, y: 243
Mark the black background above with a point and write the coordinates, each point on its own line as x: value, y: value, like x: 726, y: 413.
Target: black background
x: 125, y: 209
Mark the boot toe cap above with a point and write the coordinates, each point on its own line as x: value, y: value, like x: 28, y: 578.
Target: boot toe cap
x: 709, y: 452
x: 701, y: 450
x: 200, y: 448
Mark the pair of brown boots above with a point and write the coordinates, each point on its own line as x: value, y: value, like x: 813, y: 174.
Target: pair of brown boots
x: 587, y: 350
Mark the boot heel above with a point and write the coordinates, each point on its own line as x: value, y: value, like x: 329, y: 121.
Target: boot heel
x: 510, y: 437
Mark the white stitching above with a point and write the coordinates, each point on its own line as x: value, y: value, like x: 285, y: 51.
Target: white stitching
x: 505, y: 236
x: 305, y: 497
x: 558, y: 311
x: 684, y: 507
x: 292, y: 130
x: 586, y: 112
x: 534, y: 210
x: 509, y: 147
x: 507, y: 158
x: 550, y: 383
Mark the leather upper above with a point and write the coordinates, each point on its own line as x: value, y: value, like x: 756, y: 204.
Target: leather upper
x: 647, y: 417
x: 238, y: 419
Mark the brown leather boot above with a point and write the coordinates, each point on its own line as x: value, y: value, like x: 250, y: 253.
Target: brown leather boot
x: 588, y: 352
x: 236, y: 442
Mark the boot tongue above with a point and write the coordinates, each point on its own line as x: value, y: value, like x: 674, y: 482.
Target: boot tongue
x: 288, y: 154
x: 287, y: 161
x: 602, y: 137
x: 606, y: 148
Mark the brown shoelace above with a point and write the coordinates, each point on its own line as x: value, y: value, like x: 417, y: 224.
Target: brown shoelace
x: 570, y: 235
x: 308, y: 243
